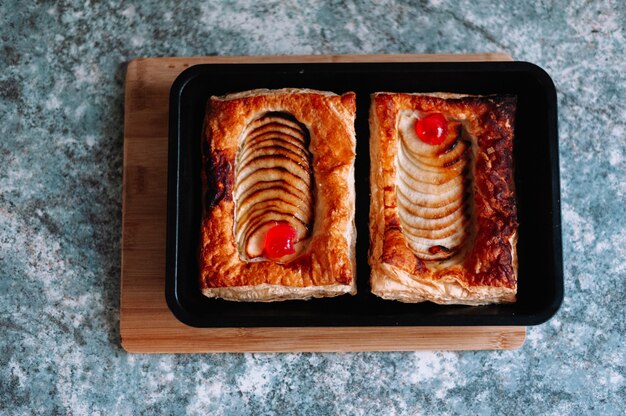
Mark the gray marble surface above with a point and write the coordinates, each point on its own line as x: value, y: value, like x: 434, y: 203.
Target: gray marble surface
x: 61, y: 115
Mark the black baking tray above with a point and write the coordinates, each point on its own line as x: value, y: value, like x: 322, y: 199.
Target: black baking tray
x: 540, y: 287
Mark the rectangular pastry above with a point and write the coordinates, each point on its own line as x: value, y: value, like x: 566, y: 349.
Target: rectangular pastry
x: 278, y: 180
x: 443, y: 216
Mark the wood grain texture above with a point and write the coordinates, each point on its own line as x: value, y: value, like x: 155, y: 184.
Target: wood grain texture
x: 146, y: 323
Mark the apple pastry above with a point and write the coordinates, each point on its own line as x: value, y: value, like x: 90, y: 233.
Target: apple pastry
x: 443, y: 219
x: 278, y: 180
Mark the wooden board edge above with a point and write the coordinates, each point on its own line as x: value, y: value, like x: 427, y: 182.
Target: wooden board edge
x: 131, y: 67
x: 340, y: 340
x: 347, y: 58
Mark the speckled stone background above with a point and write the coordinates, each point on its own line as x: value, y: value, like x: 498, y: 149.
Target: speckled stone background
x: 62, y: 67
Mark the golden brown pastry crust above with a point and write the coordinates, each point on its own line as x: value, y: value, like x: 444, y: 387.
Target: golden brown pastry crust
x: 327, y: 265
x: 488, y: 273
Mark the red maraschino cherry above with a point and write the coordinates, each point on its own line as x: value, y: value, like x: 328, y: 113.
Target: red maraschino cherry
x: 279, y: 241
x: 432, y: 128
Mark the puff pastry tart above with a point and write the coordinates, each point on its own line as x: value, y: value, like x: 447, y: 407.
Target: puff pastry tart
x: 278, y: 176
x: 443, y: 219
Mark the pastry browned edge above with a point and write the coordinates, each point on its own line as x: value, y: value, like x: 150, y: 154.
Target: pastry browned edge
x: 325, y: 263
x: 484, y: 270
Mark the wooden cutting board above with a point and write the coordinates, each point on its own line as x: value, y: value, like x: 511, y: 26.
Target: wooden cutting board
x: 146, y: 323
